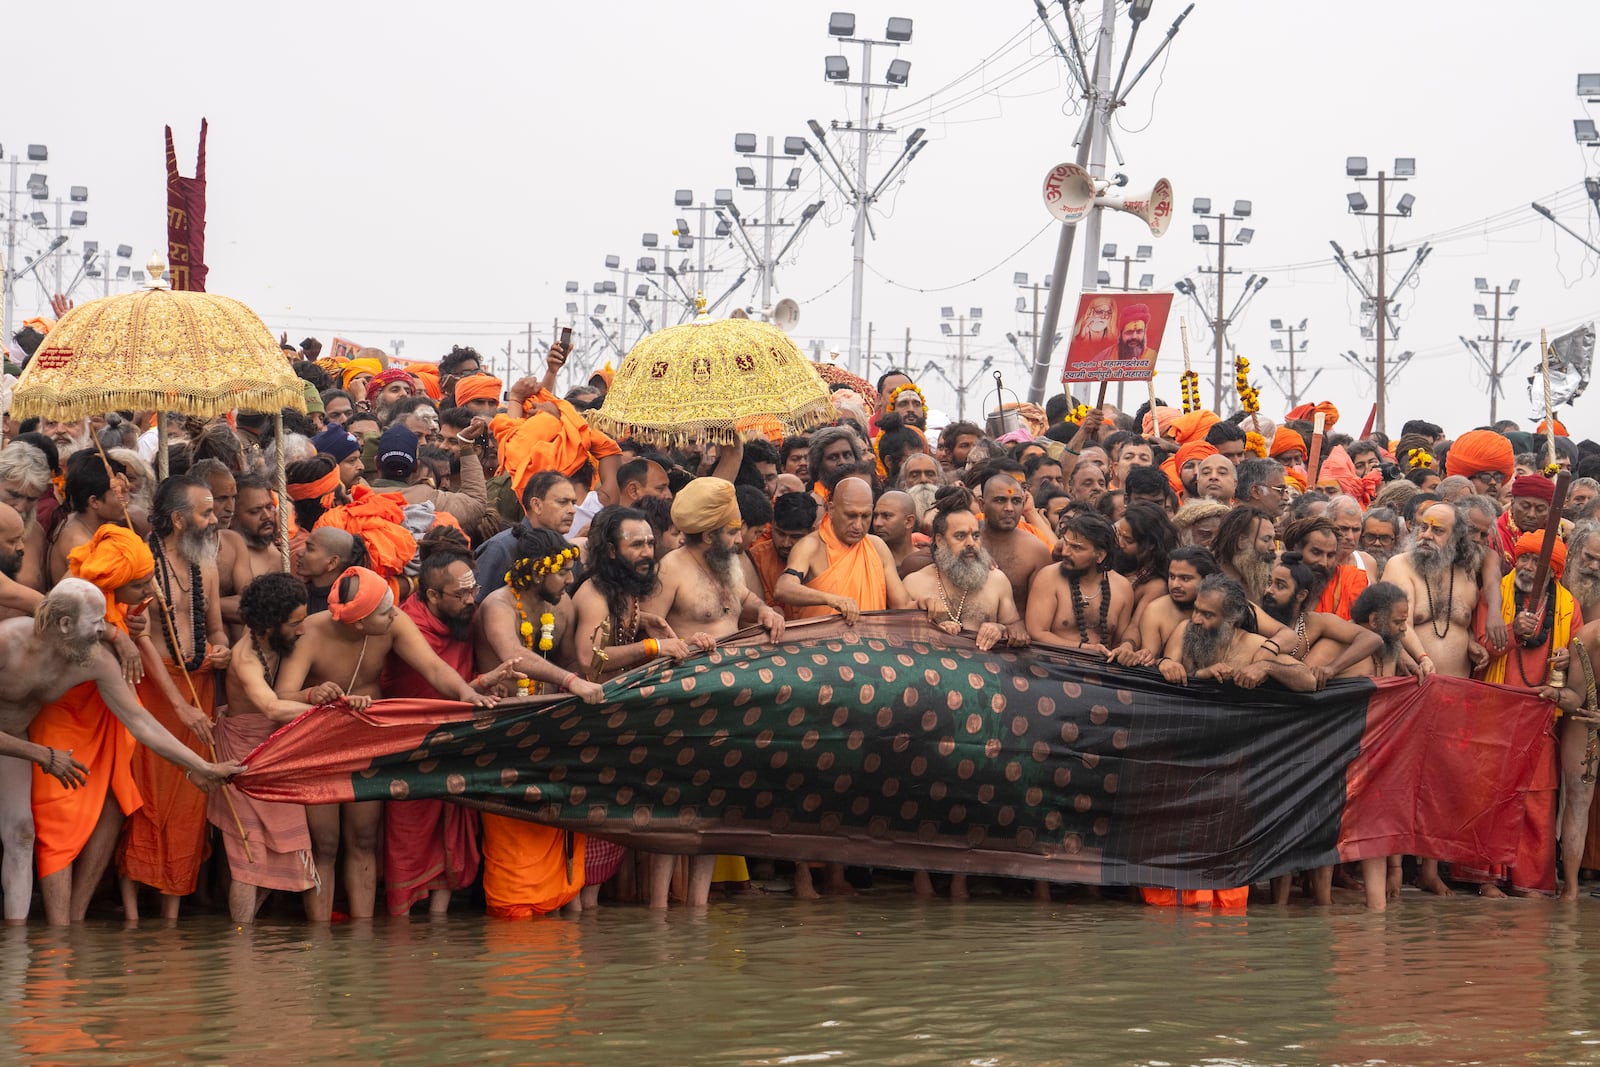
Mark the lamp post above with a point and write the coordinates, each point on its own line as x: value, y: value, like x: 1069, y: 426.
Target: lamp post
x: 856, y: 189
x: 37, y: 189
x: 98, y: 264
x: 1202, y: 236
x: 1294, y: 349
x: 960, y: 333
x: 1405, y: 167
x: 1140, y: 254
x: 732, y: 223
x: 1490, y: 364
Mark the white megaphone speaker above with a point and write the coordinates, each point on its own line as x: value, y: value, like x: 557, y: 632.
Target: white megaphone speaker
x: 1155, y: 209
x: 786, y: 315
x: 1068, y: 192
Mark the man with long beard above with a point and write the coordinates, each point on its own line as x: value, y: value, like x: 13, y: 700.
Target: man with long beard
x: 1187, y: 567
x: 1538, y: 646
x: 40, y: 660
x: 962, y: 590
x: 703, y: 591
x: 1439, y: 574
x: 1245, y: 547
x: 164, y: 840
x: 278, y: 856
x: 1582, y: 576
x: 1081, y: 602
x: 1218, y: 643
x: 1322, y: 641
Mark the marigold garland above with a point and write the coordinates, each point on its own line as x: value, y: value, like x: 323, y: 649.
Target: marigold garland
x: 1189, y: 385
x: 1420, y: 457
x: 908, y: 387
x: 524, y: 572
x: 1249, y: 396
x: 1256, y: 444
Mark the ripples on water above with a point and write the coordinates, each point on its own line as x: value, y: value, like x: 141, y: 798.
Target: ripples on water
x: 879, y: 979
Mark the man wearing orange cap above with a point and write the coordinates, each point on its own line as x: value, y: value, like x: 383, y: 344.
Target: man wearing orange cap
x: 1288, y: 447
x: 348, y: 645
x: 1539, y: 644
x: 703, y: 591
x: 41, y: 659
x: 479, y: 394
x: 1180, y: 469
x: 1485, y: 458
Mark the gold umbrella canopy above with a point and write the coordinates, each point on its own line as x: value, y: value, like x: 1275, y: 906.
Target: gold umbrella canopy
x: 713, y: 380
x: 195, y: 353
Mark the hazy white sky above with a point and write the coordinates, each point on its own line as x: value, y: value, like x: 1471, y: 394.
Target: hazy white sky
x: 436, y: 174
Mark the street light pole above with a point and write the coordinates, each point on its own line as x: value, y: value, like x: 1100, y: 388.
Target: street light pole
x: 1405, y: 167
x: 1241, y: 211
x: 1294, y: 349
x: 1490, y: 364
x: 961, y: 333
x: 37, y: 154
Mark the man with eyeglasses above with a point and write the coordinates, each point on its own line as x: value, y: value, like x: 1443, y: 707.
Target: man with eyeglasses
x: 1260, y: 485
x: 1380, y: 528
x: 1483, y: 457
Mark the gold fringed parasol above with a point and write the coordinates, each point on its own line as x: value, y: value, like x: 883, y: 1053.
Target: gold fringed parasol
x: 195, y: 353
x: 713, y: 380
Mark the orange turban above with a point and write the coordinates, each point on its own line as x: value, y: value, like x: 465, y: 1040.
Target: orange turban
x: 376, y: 518
x: 546, y: 442
x: 1167, y: 415
x: 113, y: 557
x: 360, y: 366
x: 1561, y: 431
x: 1286, y: 440
x: 315, y: 490
x: 478, y: 387
x: 1190, y: 452
x: 1339, y: 470
x: 1330, y: 414
x: 1480, y: 450
x: 705, y: 504
x: 1532, y: 542
x: 367, y: 598
x: 427, y: 375
x: 1193, y: 426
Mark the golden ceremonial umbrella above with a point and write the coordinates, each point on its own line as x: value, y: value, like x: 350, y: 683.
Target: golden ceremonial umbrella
x: 713, y: 380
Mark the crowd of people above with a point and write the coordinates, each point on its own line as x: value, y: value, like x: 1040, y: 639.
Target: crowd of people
x: 455, y: 538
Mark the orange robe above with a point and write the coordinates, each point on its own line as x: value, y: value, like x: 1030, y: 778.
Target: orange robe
x: 1340, y: 595
x: 855, y: 571
x: 165, y: 840
x: 529, y: 869
x: 63, y: 819
x: 1198, y: 898
x: 770, y: 567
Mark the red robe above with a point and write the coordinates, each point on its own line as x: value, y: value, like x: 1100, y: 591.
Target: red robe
x: 427, y: 844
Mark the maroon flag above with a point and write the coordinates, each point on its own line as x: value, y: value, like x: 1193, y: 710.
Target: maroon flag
x: 186, y: 219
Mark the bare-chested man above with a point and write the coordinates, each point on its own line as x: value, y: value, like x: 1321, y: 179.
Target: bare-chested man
x: 1187, y: 567
x: 541, y: 567
x: 1322, y: 641
x: 40, y: 659
x: 841, y: 567
x: 1582, y: 576
x: 1018, y: 553
x: 256, y: 521
x: 703, y: 591
x: 1439, y: 574
x: 1580, y: 740
x: 94, y: 497
x: 1081, y: 602
x: 894, y: 520
x: 347, y: 645
x: 1216, y: 644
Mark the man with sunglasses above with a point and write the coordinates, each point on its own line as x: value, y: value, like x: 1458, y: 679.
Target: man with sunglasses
x: 1260, y: 485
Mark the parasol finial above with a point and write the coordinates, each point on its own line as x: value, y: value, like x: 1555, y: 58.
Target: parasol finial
x: 154, y: 269
x: 700, y: 303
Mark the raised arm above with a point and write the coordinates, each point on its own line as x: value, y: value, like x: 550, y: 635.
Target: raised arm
x: 124, y: 704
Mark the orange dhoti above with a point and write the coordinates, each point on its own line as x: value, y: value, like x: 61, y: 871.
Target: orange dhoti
x: 165, y: 840
x: 1339, y: 596
x: 1197, y: 898
x: 529, y: 869
x: 279, y: 839
x: 64, y: 818
x: 855, y: 571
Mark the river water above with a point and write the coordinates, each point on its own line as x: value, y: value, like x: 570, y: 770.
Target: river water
x: 881, y: 978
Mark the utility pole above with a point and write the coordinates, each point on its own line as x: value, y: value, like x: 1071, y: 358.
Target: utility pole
x: 1027, y: 306
x: 856, y: 189
x: 1404, y: 167
x: 1241, y: 211
x: 1490, y: 364
x: 961, y: 333
x: 38, y: 189
x: 1294, y: 350
x: 1141, y: 254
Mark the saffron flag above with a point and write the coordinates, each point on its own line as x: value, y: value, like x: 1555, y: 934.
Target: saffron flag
x: 892, y: 744
x: 186, y: 219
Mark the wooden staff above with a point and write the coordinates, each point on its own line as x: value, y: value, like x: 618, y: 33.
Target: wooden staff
x: 1552, y: 532
x: 166, y: 615
x: 1155, y: 416
x: 1317, y: 422
x: 1183, y: 333
x: 1549, y: 408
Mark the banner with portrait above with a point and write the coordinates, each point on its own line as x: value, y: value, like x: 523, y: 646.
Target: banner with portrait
x: 1116, y: 336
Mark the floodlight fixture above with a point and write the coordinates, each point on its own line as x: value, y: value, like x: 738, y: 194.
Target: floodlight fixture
x: 793, y: 181
x: 1019, y: 278
x: 650, y: 240
x: 835, y: 68
x: 794, y: 146
x: 724, y: 228
x: 1277, y: 343
x: 944, y: 328
x: 91, y: 248
x: 572, y: 309
x: 122, y: 272
x: 1147, y: 281
x: 39, y: 192
x: 745, y: 176
x: 38, y: 153
x: 1583, y: 130
x: 810, y: 210
x: 974, y: 313
x: 1355, y: 166
x: 641, y: 290
x: 898, y: 29
x: 38, y: 218
x: 1241, y: 209
x: 1513, y: 286
x: 1589, y: 87
x: 1592, y: 187
x: 1513, y: 312
x: 1202, y: 205
x: 1244, y: 235
x: 1144, y: 252
x: 1481, y: 284
x: 1358, y: 202
x: 78, y: 194
x: 1405, y: 205
x: 36, y: 179
x: 682, y: 197
x: 572, y: 287
x: 841, y: 24
x: 744, y: 143
x: 722, y: 197
x: 1102, y: 279
x: 1405, y: 167
x: 1022, y: 305
x: 78, y: 218
x: 1202, y: 233
x: 647, y: 264
x: 1139, y: 10
x: 947, y: 313
x: 685, y: 240
x: 899, y: 70
x: 1109, y: 252
x: 608, y: 286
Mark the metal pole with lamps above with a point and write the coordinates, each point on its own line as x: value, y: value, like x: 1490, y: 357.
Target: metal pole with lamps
x: 960, y: 333
x: 1490, y: 364
x: 1294, y: 349
x: 38, y: 189
x: 1202, y: 235
x: 1405, y: 167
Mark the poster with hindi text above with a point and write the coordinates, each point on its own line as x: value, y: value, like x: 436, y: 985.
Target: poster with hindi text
x: 1116, y: 336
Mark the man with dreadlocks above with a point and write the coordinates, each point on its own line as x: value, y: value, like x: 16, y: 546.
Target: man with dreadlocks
x: 1081, y: 602
x: 348, y: 644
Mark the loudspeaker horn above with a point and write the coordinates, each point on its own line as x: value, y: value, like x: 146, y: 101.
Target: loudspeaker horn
x: 786, y: 315
x: 1155, y: 209
x: 1068, y: 192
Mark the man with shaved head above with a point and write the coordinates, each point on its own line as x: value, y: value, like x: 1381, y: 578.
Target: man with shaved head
x: 894, y: 520
x: 1015, y: 551
x: 13, y: 534
x: 327, y: 553
x: 842, y: 567
x: 40, y: 659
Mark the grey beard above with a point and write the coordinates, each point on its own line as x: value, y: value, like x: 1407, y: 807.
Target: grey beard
x: 1522, y: 585
x: 199, y: 546
x: 1253, y: 572
x: 1428, y: 561
x: 1583, y: 585
x: 719, y: 561
x: 962, y: 571
x: 1391, y: 642
x: 80, y: 653
x: 1204, y: 648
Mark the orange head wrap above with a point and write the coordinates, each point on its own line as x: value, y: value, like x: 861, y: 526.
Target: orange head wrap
x: 1330, y: 414
x: 111, y: 559
x: 317, y: 489
x: 705, y: 504
x: 1477, y: 451
x: 478, y: 387
x: 1167, y: 415
x: 1561, y: 431
x: 366, y: 598
x: 1532, y: 542
x: 546, y: 442
x: 1286, y: 440
x: 356, y: 367
x: 1191, y: 427
x: 376, y: 518
x: 427, y: 376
